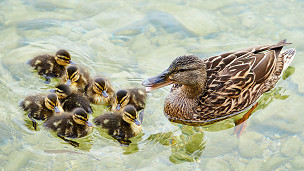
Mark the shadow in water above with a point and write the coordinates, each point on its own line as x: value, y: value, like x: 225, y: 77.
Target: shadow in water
x: 186, y: 147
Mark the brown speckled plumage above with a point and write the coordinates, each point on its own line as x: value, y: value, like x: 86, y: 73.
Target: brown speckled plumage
x: 218, y: 87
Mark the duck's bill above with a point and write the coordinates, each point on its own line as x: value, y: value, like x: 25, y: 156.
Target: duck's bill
x: 52, y: 91
x: 56, y: 109
x: 157, y: 82
x: 105, y: 94
x: 137, y: 122
x: 68, y: 82
x: 89, y: 124
x: 72, y: 62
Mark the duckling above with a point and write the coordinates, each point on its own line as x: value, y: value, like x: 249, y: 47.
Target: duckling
x: 100, y: 91
x: 77, y: 78
x: 71, y: 125
x: 41, y: 107
x: 70, y: 100
x: 121, y: 126
x: 133, y: 96
x: 51, y: 66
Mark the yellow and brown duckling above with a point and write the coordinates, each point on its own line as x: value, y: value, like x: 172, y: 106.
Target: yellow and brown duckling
x: 121, y: 126
x: 215, y: 88
x: 70, y: 125
x: 100, y: 91
x: 133, y: 96
x: 41, y: 107
x: 77, y: 78
x: 71, y: 100
x: 50, y: 66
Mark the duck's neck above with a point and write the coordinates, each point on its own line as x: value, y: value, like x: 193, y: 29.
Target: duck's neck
x: 195, y: 89
x: 192, y: 91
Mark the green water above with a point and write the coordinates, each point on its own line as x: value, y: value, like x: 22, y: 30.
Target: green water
x: 129, y: 41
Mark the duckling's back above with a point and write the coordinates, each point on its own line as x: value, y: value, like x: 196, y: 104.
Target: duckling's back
x: 65, y: 126
x: 138, y: 98
x: 115, y: 125
x: 76, y: 100
x: 35, y: 106
x: 47, y: 65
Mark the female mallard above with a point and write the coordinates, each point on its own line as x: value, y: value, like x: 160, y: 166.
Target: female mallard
x: 121, y: 126
x: 132, y: 96
x: 51, y: 66
x: 77, y: 78
x: 72, y: 100
x: 70, y: 125
x: 41, y: 107
x: 100, y: 91
x: 218, y: 87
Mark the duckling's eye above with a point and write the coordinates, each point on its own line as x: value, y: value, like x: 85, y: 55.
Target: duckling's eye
x: 63, y: 57
x: 50, y: 103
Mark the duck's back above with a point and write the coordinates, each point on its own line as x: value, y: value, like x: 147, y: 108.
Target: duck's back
x: 236, y: 80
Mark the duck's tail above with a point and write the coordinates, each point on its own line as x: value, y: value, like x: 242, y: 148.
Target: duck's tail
x: 288, y: 56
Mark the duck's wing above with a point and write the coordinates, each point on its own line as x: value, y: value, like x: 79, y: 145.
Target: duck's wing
x: 244, y: 69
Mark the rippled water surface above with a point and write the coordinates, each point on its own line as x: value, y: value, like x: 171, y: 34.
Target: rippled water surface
x: 129, y: 41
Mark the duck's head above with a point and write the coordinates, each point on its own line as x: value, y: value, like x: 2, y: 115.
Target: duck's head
x: 52, y: 103
x: 81, y: 117
x: 62, y: 91
x: 130, y: 115
x: 187, y: 70
x: 72, y: 74
x: 63, y: 57
x: 100, y: 87
x: 122, y: 99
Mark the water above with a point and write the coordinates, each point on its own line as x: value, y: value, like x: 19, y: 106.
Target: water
x: 131, y: 41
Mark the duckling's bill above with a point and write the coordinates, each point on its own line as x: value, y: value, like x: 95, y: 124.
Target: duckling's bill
x: 137, y: 122
x: 68, y: 82
x: 56, y: 109
x: 89, y: 124
x: 157, y: 82
x: 105, y: 94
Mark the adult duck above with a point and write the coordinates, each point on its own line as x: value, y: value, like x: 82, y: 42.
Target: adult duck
x: 215, y: 88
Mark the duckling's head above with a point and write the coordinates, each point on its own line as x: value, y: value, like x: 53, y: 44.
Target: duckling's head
x: 80, y: 117
x: 130, y: 115
x: 122, y: 99
x: 100, y: 87
x: 72, y: 74
x: 187, y: 70
x: 62, y: 91
x: 52, y: 103
x: 63, y: 57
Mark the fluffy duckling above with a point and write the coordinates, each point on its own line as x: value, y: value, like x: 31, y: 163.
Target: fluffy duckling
x: 41, y: 107
x: 51, y: 66
x: 77, y: 78
x: 121, y: 127
x: 134, y: 96
x: 71, y: 125
x: 71, y: 100
x: 100, y: 91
